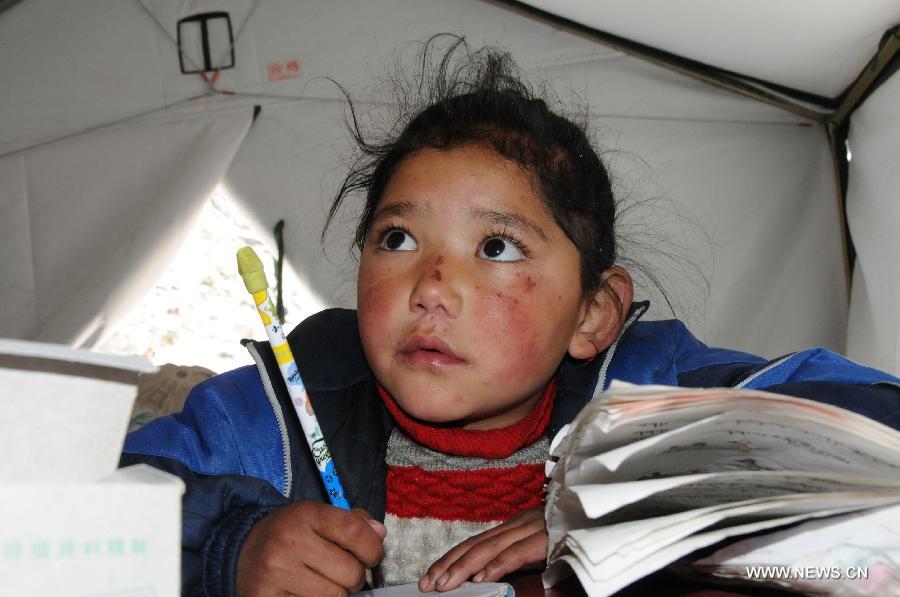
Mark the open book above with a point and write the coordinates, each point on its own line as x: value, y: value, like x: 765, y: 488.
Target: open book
x: 645, y: 476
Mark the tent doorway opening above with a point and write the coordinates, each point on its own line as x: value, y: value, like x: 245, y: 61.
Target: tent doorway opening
x: 198, y: 311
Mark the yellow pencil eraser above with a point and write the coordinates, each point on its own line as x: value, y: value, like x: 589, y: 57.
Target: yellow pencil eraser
x: 251, y: 270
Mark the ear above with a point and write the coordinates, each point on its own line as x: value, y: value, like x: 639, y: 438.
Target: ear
x: 604, y: 315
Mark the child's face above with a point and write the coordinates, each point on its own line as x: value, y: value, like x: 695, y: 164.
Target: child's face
x: 469, y: 293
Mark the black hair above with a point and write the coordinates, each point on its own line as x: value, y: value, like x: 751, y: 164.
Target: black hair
x: 479, y: 98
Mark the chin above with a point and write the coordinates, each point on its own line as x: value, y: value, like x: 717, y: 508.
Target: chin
x: 431, y: 412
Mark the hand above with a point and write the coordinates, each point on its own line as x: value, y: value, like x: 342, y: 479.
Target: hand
x: 519, y: 542
x: 308, y: 548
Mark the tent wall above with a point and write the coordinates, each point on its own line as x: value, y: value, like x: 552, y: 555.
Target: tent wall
x: 758, y: 181
x: 89, y: 223
x: 873, y: 211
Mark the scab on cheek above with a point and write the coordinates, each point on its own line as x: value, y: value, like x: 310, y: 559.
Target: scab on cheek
x: 528, y: 284
x: 511, y: 301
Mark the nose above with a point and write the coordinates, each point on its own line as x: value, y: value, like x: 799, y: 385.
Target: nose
x: 437, y: 286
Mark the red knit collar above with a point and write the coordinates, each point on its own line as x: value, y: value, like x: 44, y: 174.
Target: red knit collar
x: 490, y: 443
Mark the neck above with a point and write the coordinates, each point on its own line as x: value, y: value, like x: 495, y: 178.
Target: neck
x: 496, y: 442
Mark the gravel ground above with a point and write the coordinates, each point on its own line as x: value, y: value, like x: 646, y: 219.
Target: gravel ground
x: 199, y: 310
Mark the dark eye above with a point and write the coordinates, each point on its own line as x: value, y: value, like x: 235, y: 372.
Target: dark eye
x: 397, y: 240
x: 499, y: 249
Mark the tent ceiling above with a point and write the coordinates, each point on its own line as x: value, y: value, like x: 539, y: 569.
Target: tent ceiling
x: 811, y: 45
x: 759, y: 179
x: 346, y: 41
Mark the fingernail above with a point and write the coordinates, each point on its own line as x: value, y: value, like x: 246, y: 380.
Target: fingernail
x: 478, y: 577
x: 424, y: 582
x: 443, y: 579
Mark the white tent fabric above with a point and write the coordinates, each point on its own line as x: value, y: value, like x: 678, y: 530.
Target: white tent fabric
x: 89, y: 223
x: 759, y: 180
x: 810, y: 45
x: 873, y: 211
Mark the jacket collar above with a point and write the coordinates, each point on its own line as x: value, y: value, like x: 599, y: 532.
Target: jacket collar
x: 580, y: 381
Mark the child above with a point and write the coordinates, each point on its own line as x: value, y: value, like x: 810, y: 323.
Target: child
x: 490, y: 310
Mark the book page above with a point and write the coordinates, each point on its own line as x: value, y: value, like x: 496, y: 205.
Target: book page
x: 628, y: 413
x: 614, y: 502
x: 611, y: 548
x: 740, y: 440
x: 646, y: 476
x: 851, y: 554
x: 605, y: 580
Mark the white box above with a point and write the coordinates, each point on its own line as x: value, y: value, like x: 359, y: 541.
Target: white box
x: 70, y: 523
x: 120, y: 536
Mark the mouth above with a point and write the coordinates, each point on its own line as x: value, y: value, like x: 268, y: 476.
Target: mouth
x: 429, y: 351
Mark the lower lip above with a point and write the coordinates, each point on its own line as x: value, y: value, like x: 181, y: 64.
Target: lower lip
x: 430, y: 358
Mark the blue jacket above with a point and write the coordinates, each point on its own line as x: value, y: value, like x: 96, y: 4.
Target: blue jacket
x: 240, y: 450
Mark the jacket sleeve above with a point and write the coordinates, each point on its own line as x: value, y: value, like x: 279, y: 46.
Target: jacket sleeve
x: 816, y: 374
x: 227, y: 489
x: 218, y: 512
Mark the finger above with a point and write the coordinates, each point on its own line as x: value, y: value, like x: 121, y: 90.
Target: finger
x: 313, y: 584
x: 533, y: 519
x: 440, y: 566
x: 352, y: 531
x: 378, y: 527
x: 336, y: 564
x: 477, y: 556
x: 528, y: 552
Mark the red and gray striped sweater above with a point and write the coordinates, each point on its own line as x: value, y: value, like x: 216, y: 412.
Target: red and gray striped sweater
x: 445, y: 485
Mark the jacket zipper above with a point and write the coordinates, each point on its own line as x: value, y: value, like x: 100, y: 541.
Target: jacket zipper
x: 765, y: 369
x: 279, y: 416
x: 601, y: 378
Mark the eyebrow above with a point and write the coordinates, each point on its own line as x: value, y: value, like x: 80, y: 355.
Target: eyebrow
x: 514, y: 220
x: 497, y: 218
x: 401, y: 209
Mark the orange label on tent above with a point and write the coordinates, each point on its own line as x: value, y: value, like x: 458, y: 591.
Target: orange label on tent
x: 283, y: 70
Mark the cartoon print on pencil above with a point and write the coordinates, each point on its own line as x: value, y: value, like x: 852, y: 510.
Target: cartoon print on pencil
x: 283, y: 355
x: 270, y: 310
x: 293, y: 375
x: 320, y: 452
x: 261, y: 298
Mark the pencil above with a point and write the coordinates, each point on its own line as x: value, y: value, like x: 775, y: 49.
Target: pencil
x: 251, y: 269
